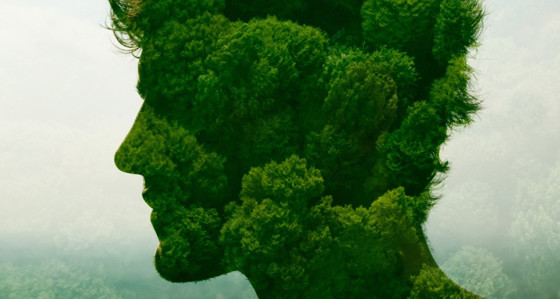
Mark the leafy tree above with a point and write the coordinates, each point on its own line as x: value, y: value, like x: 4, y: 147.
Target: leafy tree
x: 480, y: 271
x: 431, y: 282
x: 54, y: 279
x: 536, y: 230
x: 293, y: 146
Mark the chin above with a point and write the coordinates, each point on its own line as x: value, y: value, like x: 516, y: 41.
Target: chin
x: 167, y: 270
x: 174, y: 266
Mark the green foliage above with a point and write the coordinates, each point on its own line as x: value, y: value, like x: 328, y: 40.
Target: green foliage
x: 360, y: 104
x: 412, y: 150
x: 400, y: 24
x: 289, y: 182
x: 262, y: 234
x: 134, y: 22
x: 274, y: 142
x: 182, y: 179
x: 450, y: 94
x: 432, y: 283
x: 341, y: 17
x: 292, y: 241
x: 266, y: 66
x: 456, y: 29
x: 401, y: 69
x: 175, y: 59
x: 431, y: 31
x: 188, y: 243
x: 181, y: 168
x: 362, y: 101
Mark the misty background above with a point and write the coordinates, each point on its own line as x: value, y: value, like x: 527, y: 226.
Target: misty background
x: 72, y: 225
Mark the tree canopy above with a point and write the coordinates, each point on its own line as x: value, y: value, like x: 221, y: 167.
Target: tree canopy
x: 297, y: 141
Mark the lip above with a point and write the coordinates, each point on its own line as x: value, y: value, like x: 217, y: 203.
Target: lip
x: 147, y: 196
x: 159, y: 236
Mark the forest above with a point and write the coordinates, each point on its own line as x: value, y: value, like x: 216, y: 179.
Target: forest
x: 295, y: 149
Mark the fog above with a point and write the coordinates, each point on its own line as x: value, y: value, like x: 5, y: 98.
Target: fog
x: 501, y: 199
x: 73, y: 225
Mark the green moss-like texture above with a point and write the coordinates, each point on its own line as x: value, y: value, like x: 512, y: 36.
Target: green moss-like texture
x: 297, y: 141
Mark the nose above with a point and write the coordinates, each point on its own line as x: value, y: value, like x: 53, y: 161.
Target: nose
x: 143, y: 151
x: 123, y: 157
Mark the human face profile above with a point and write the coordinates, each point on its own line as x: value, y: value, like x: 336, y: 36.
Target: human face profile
x: 284, y: 148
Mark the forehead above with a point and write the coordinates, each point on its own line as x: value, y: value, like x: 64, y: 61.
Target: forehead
x: 330, y: 16
x: 327, y: 15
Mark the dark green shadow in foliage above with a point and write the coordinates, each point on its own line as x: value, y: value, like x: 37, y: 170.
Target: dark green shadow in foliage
x: 297, y: 141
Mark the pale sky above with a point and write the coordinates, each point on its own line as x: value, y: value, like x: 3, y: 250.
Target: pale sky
x: 68, y: 98
x: 517, y: 134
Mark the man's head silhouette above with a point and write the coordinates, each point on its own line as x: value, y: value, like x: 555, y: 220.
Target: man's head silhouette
x: 297, y: 141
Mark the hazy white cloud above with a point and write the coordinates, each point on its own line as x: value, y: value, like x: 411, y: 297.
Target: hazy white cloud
x: 67, y: 101
x: 513, y: 145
